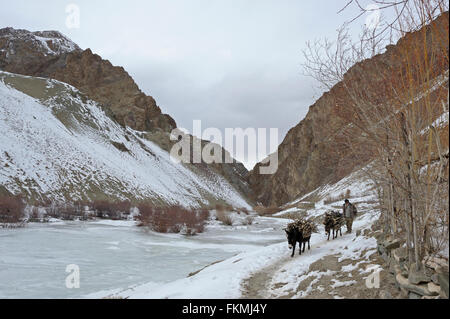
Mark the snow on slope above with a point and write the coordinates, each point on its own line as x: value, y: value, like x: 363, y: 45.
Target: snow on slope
x: 227, y: 279
x: 361, y: 193
x: 54, y: 42
x: 47, y: 42
x: 58, y: 144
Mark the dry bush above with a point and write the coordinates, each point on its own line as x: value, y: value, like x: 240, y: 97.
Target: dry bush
x: 348, y: 193
x: 113, y: 210
x: 194, y: 221
x: 220, y: 207
x: 34, y: 214
x: 312, y: 198
x: 260, y: 210
x: 80, y: 205
x: 263, y: 211
x: 203, y: 214
x: 305, y: 205
x: 123, y: 206
x: 12, y: 209
x: 77, y: 210
x: 226, y: 207
x: 145, y: 216
x: 65, y: 211
x: 294, y: 215
x: 248, y: 220
x: 174, y: 219
x: 340, y: 197
x: 101, y: 208
x: 224, y: 217
x: 70, y: 212
x: 242, y: 210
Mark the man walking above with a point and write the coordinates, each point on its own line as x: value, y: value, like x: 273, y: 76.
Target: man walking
x: 349, y: 212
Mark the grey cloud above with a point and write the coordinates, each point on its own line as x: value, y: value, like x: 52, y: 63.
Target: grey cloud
x: 230, y: 63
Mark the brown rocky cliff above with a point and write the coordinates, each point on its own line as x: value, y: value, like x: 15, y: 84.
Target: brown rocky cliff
x: 114, y: 88
x: 312, y: 153
x: 50, y: 54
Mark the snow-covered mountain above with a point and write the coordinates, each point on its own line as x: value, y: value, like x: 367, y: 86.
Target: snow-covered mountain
x: 57, y: 144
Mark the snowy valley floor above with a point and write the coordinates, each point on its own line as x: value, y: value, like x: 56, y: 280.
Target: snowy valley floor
x: 331, y: 269
x: 119, y: 260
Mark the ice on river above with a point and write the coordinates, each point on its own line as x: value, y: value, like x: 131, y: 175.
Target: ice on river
x: 115, y: 255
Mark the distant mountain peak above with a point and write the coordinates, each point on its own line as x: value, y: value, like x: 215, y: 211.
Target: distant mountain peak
x: 46, y: 42
x: 50, y: 54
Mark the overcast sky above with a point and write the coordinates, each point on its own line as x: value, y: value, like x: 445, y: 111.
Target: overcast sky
x: 229, y: 63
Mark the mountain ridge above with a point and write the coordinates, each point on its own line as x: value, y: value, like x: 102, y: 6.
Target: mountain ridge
x: 312, y: 152
x: 97, y: 78
x: 58, y: 145
x: 24, y: 52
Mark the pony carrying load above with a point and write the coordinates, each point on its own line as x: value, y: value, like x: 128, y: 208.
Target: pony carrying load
x: 299, y: 231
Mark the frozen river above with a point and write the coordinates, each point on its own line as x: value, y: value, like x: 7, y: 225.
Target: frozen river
x: 115, y: 255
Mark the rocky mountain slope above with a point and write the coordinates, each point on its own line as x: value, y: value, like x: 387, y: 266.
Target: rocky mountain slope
x: 49, y: 54
x: 313, y: 152
x: 56, y: 144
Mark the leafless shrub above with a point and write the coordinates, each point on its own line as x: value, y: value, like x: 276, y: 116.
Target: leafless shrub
x: 294, y: 215
x: 101, y: 208
x: 122, y: 207
x: 114, y: 210
x: 174, y: 219
x: 264, y: 211
x: 69, y: 211
x: 65, y: 211
x: 11, y: 209
x: 79, y: 206
x: 146, y: 213
x: 34, y: 214
x: 194, y: 222
x: 37, y: 214
x: 248, y: 220
x: 305, y: 205
x: 312, y: 198
x: 242, y: 210
x: 224, y: 217
x: 340, y: 197
x: 203, y: 214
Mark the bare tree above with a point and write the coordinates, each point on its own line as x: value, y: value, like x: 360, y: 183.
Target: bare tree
x: 392, y: 106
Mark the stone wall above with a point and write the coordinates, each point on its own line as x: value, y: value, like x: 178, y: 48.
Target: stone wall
x: 429, y: 282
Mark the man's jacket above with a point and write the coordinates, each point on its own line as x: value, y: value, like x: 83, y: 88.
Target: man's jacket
x: 352, y: 211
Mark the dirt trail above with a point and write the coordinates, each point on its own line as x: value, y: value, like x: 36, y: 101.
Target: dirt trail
x: 322, y: 284
x: 256, y: 286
